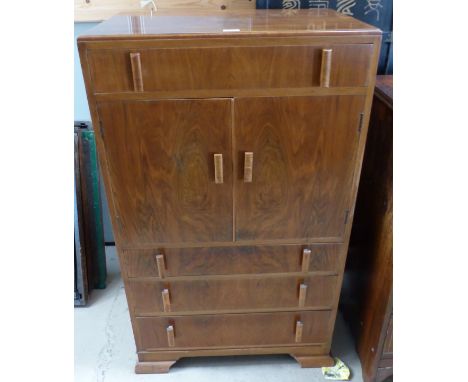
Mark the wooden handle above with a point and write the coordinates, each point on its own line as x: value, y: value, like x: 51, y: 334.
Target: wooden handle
x: 161, y: 265
x: 326, y: 68
x: 299, y: 326
x: 305, y: 260
x: 166, y: 300
x: 248, y: 167
x: 136, y: 72
x: 302, y: 295
x: 218, y: 163
x: 170, y: 336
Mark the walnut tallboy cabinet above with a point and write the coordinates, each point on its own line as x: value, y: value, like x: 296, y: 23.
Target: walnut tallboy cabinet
x: 231, y: 146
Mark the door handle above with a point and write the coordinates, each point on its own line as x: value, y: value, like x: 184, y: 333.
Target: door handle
x: 166, y: 300
x: 170, y: 336
x: 248, y: 167
x: 326, y: 68
x: 218, y: 165
x: 302, y: 295
x: 161, y: 264
x: 299, y: 326
x: 136, y: 72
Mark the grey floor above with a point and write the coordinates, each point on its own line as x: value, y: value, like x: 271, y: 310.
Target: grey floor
x: 105, y: 350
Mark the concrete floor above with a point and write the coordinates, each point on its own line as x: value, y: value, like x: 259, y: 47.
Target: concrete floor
x: 105, y: 350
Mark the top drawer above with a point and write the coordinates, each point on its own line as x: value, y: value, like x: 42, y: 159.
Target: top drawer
x: 242, y: 67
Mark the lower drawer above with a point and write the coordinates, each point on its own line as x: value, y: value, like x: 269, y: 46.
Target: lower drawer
x: 225, y: 330
x: 231, y: 260
x: 232, y: 294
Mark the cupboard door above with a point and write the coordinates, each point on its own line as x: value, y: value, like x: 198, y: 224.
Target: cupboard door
x: 295, y: 161
x: 170, y: 169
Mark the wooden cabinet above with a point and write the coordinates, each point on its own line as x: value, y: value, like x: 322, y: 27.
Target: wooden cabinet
x: 231, y: 145
x: 303, y: 154
x: 367, y: 303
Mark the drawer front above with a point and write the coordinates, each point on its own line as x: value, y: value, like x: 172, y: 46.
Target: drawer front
x: 233, y: 294
x: 176, y: 262
x: 225, y: 330
x: 125, y: 70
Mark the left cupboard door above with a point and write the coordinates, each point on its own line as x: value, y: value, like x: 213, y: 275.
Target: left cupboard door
x: 170, y: 169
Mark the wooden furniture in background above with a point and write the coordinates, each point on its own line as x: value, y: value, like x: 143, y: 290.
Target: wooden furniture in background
x: 231, y: 154
x: 367, y: 300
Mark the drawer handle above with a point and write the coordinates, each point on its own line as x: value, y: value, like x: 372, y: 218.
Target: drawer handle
x: 305, y: 260
x: 136, y: 72
x: 161, y: 264
x: 326, y: 68
x: 299, y: 326
x: 302, y: 295
x: 218, y: 163
x: 166, y: 300
x: 248, y: 167
x: 170, y: 336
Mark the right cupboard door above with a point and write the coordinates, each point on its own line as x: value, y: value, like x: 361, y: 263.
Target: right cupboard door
x: 295, y: 158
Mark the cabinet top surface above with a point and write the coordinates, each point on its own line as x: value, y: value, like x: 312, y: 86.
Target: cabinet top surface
x: 190, y: 22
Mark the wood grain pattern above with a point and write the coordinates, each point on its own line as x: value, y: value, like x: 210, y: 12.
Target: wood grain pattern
x: 371, y: 246
x: 299, y: 329
x: 304, y: 165
x: 157, y: 367
x: 306, y: 253
x: 313, y: 350
x: 250, y: 23
x: 233, y: 294
x: 161, y: 265
x: 160, y: 159
x: 314, y: 361
x: 218, y: 165
x: 375, y: 217
x: 166, y: 300
x: 233, y: 260
x: 325, y: 69
x: 136, y: 72
x: 160, y: 203
x: 248, y: 67
x: 97, y: 10
x: 302, y: 295
x: 233, y: 329
x: 248, y: 167
x: 170, y: 336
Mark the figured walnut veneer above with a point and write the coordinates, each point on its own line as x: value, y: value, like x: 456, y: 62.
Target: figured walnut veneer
x: 231, y: 145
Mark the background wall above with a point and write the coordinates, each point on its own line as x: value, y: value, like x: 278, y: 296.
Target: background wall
x: 81, y: 101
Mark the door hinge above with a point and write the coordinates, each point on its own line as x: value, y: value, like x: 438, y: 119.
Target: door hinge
x: 346, y: 217
x: 361, y: 121
x: 101, y: 130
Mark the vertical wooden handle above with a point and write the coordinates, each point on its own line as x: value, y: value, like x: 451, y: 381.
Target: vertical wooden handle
x: 218, y: 163
x: 248, y: 167
x: 161, y: 263
x: 136, y: 72
x: 299, y: 326
x: 305, y: 260
x: 170, y: 336
x: 166, y: 300
x: 302, y: 295
x: 326, y: 68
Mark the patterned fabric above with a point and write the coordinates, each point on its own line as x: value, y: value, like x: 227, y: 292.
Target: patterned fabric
x: 375, y: 12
